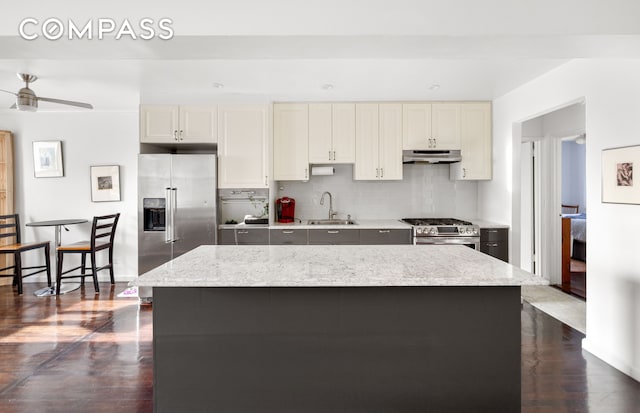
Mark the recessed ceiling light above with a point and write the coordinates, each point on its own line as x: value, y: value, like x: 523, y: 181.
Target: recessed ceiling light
x: 217, y: 85
x: 327, y: 86
x: 434, y: 86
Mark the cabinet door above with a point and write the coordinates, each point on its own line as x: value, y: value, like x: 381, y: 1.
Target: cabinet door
x: 344, y: 132
x: 291, y: 142
x: 252, y: 236
x: 198, y: 124
x: 320, y: 132
x: 367, y: 148
x: 475, y: 143
x: 385, y: 236
x: 288, y: 237
x: 243, y: 146
x: 416, y: 126
x: 390, y: 141
x: 334, y: 237
x: 446, y: 126
x: 227, y: 236
x: 159, y: 123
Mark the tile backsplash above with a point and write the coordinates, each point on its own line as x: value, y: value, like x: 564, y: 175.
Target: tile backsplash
x: 425, y: 191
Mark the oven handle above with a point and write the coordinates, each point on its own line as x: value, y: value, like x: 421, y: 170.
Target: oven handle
x: 447, y: 241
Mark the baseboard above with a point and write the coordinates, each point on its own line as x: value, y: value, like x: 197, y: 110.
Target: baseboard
x: 612, y: 360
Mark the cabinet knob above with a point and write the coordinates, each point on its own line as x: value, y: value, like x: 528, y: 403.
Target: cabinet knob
x: 383, y: 231
x: 329, y: 155
x: 306, y: 173
x: 381, y: 172
x: 175, y: 135
x: 464, y: 172
x: 333, y: 232
x: 180, y: 134
x: 377, y: 172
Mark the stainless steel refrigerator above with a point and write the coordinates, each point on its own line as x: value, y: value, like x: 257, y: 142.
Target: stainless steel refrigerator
x: 176, y: 207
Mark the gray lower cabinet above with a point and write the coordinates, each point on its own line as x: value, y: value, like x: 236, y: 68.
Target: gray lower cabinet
x: 291, y: 236
x: 495, y: 242
x: 288, y: 237
x: 244, y: 236
x: 334, y: 237
x: 227, y: 237
x: 385, y: 236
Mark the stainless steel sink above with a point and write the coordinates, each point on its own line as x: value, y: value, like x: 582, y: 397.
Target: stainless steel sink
x: 330, y: 222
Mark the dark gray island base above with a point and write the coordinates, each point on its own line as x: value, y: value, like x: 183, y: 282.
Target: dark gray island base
x: 334, y: 349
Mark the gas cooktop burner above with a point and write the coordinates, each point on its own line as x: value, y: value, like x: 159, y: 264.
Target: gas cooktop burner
x: 435, y: 221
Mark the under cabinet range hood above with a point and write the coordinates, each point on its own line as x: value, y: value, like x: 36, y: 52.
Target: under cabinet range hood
x: 431, y: 156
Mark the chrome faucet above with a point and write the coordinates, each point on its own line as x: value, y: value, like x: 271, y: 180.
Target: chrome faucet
x: 332, y: 213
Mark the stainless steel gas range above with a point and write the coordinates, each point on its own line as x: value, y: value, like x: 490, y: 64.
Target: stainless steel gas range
x: 444, y: 231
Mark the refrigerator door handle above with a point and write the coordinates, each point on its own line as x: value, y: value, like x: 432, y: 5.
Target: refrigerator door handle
x: 174, y: 207
x: 168, y: 226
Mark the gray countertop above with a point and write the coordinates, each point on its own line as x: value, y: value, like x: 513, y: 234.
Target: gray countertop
x: 335, y: 266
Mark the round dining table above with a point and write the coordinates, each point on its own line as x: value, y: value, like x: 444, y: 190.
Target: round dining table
x: 59, y: 224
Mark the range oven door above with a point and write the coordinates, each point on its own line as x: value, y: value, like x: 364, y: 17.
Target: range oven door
x: 471, y: 242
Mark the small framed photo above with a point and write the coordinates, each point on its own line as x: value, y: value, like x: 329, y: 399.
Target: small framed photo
x: 620, y: 183
x: 105, y: 183
x: 47, y: 159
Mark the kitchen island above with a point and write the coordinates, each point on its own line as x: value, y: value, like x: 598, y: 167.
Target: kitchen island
x: 399, y: 328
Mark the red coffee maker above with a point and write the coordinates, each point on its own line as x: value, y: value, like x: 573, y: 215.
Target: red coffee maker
x: 285, y: 209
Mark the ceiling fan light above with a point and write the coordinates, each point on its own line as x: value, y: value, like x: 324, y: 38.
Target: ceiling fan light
x: 26, y: 103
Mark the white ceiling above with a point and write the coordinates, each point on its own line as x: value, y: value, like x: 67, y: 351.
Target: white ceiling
x: 286, y: 49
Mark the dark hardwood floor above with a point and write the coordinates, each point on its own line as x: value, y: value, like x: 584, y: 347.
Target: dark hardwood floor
x: 93, y: 353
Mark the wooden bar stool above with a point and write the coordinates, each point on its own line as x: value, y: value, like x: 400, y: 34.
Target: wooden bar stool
x: 10, y: 227
x: 103, y: 232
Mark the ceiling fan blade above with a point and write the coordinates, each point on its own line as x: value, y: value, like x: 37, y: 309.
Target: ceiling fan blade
x: 2, y: 90
x: 67, y: 102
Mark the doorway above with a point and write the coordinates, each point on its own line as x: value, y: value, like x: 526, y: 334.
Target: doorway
x: 553, y: 199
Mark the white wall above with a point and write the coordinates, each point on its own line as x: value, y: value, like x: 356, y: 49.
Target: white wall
x: 611, y: 89
x: 88, y: 138
x: 425, y: 190
x: 574, y: 175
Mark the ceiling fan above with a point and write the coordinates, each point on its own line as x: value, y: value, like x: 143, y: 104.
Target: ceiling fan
x: 27, y: 100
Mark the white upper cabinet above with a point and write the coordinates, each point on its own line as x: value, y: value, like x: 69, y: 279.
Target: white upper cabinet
x: 243, y: 146
x: 431, y: 126
x: 445, y: 127
x: 475, y: 142
x: 291, y: 142
x: 178, y: 124
x: 367, y: 149
x: 331, y: 133
x: 390, y: 141
x: 198, y: 124
x: 416, y: 126
x: 378, y: 142
x: 159, y: 123
x: 344, y: 132
x: 320, y: 133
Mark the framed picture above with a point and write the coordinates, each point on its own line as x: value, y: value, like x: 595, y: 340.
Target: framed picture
x: 620, y: 183
x: 47, y: 159
x: 105, y: 183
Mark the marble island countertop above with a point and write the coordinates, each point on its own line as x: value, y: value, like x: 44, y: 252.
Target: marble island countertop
x: 335, y: 266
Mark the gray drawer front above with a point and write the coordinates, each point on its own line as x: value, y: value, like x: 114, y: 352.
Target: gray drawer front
x: 385, y: 236
x: 334, y: 236
x: 288, y: 236
x: 252, y: 236
x: 227, y: 237
x: 494, y: 234
x: 497, y: 249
